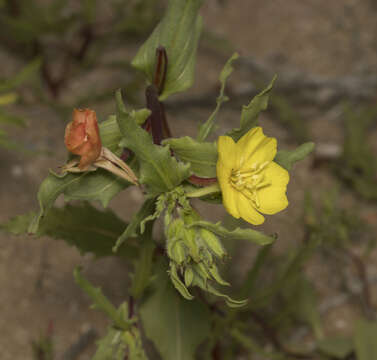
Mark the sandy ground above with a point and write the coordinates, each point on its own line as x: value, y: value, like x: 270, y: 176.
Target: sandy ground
x: 316, y: 36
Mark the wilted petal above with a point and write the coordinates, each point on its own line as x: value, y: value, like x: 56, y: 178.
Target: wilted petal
x: 82, y: 136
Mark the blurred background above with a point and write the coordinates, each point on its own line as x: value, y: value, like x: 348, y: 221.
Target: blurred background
x: 57, y: 55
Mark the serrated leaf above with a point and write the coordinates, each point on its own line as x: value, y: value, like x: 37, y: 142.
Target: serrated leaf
x: 338, y: 347
x: 236, y: 234
x: 286, y: 159
x: 146, y: 210
x: 98, y: 185
x: 159, y: 171
x: 206, y: 128
x: 250, y: 113
x: 83, y: 226
x: 365, y: 339
x: 101, y: 302
x: 179, y: 33
x: 176, y: 326
x: 201, y: 155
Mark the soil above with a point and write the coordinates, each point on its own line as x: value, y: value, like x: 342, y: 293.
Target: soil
x: 319, y: 37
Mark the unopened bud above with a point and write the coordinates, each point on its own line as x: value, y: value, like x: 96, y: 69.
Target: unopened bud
x: 82, y: 137
x: 213, y: 243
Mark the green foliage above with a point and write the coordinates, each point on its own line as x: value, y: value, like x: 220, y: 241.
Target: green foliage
x: 99, y: 185
x: 202, y: 156
x: 337, y: 347
x: 365, y: 339
x: 250, y: 113
x: 206, y: 128
x: 236, y: 234
x: 178, y: 33
x: 172, y: 322
x: 286, y: 114
x: 43, y: 348
x: 100, y: 302
x: 83, y: 226
x: 330, y: 223
x: 159, y: 171
x: 287, y: 158
x: 120, y: 345
x: 146, y: 210
x: 186, y: 263
x: 358, y: 164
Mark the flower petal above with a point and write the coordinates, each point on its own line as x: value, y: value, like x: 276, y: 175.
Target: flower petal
x: 272, y: 198
x: 227, y: 150
x: 247, y: 210
x: 230, y: 198
x: 255, y: 147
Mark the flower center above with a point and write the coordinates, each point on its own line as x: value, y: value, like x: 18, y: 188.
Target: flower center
x: 249, y: 181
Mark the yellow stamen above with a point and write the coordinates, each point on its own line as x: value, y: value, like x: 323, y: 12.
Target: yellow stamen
x: 249, y: 181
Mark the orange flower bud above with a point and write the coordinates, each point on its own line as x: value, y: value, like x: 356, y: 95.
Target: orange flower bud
x: 82, y: 137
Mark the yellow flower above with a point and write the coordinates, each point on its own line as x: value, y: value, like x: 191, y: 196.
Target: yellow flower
x: 251, y: 183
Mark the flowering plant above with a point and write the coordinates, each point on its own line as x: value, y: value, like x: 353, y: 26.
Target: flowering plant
x: 240, y: 170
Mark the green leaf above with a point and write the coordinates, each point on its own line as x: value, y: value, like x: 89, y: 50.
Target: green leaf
x: 11, y: 119
x: 306, y: 308
x: 120, y: 345
x: 159, y: 171
x: 250, y: 113
x: 23, y: 75
x: 365, y: 339
x: 237, y: 234
x: 176, y: 326
x: 143, y: 265
x: 100, y: 302
x: 146, y: 210
x: 111, y: 346
x: 338, y: 347
x: 179, y: 33
x: 206, y: 128
x: 201, y: 155
x: 97, y: 185
x: 83, y: 226
x: 253, y: 273
x: 287, y: 158
x: 110, y: 134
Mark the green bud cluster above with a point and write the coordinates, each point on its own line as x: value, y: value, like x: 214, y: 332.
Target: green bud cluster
x: 193, y: 253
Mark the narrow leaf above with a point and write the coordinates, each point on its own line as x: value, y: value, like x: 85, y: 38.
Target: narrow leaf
x: 23, y: 75
x: 206, y: 128
x: 250, y: 113
x: 287, y: 158
x: 146, y: 210
x: 237, y: 234
x: 101, y: 302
